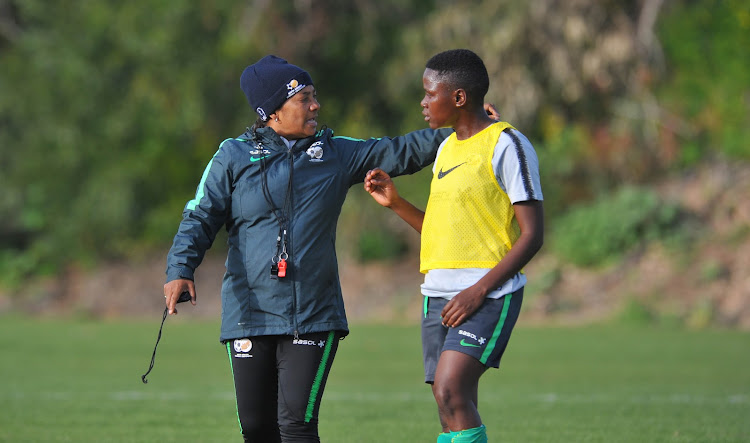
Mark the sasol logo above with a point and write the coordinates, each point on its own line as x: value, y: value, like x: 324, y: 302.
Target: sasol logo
x: 299, y: 341
x: 315, y: 151
x: 481, y: 340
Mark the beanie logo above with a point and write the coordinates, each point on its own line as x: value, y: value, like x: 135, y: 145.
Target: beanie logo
x: 261, y: 113
x: 293, y: 87
x: 315, y: 151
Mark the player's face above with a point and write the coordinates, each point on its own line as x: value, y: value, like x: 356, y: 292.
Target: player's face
x: 438, y: 105
x: 298, y: 116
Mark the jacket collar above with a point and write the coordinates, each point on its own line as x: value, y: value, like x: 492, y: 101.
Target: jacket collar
x: 271, y: 140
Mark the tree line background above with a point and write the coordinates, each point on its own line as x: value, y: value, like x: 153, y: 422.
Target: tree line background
x: 110, y: 110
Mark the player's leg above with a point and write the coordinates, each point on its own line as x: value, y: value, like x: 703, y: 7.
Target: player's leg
x: 469, y: 349
x: 303, y: 365
x: 447, y: 436
x: 253, y: 363
x: 455, y: 390
x: 443, y: 423
x: 433, y: 337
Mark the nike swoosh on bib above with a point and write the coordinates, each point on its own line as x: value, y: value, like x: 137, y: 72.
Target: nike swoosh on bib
x: 442, y: 173
x: 255, y: 159
x: 463, y: 341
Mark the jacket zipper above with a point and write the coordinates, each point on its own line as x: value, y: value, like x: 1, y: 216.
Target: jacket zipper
x: 291, y: 243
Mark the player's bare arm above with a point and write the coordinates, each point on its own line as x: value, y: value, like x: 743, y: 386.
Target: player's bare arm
x: 530, y: 216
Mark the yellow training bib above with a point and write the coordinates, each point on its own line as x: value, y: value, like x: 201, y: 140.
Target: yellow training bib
x: 469, y: 221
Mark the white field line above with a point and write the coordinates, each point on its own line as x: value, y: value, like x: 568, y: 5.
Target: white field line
x: 696, y: 399
x: 738, y: 399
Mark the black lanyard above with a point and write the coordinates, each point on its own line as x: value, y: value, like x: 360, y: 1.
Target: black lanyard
x: 185, y: 296
x: 278, y: 260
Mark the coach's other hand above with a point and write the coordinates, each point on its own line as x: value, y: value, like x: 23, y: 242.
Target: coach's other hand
x: 174, y: 288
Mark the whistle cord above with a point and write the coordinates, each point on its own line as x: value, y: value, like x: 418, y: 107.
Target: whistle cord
x: 153, y: 356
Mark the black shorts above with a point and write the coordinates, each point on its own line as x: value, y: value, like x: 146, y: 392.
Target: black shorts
x: 484, y: 335
x: 279, y: 383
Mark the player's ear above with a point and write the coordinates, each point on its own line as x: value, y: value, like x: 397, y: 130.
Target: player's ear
x: 459, y: 96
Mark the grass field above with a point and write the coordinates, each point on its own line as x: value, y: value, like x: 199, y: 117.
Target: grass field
x: 79, y: 381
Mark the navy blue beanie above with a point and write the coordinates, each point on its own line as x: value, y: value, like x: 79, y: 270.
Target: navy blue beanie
x: 270, y: 81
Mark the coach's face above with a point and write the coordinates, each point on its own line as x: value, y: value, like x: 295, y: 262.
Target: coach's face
x: 298, y: 116
x: 439, y: 105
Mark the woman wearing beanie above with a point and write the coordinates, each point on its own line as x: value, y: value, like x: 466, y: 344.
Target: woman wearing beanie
x: 279, y: 188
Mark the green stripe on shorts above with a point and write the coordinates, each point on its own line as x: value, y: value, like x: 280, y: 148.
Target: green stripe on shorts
x: 498, y: 329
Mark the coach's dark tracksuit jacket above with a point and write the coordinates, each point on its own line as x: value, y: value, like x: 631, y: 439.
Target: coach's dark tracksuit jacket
x: 231, y: 193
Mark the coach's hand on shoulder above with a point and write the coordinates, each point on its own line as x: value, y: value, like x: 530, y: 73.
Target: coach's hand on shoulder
x: 462, y: 306
x: 492, y: 111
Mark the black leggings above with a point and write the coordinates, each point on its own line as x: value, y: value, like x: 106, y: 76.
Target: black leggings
x: 279, y: 382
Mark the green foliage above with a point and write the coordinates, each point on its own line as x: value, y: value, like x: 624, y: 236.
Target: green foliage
x: 701, y: 314
x: 107, y: 118
x: 712, y: 270
x: 599, y: 232
x: 709, y: 74
x: 377, y: 244
x: 635, y: 313
x: 109, y: 111
x: 565, y: 174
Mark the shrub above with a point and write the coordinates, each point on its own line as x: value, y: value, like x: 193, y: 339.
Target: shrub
x: 610, y: 226
x: 377, y: 244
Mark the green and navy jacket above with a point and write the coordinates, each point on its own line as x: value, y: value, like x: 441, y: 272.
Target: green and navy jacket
x: 231, y: 193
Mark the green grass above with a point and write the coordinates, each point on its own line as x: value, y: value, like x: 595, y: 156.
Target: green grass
x: 79, y: 381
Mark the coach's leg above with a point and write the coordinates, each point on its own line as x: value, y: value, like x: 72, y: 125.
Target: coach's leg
x: 304, y: 364
x: 253, y: 364
x: 455, y: 389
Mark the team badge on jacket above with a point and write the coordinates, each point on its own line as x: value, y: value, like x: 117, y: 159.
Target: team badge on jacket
x: 315, y: 151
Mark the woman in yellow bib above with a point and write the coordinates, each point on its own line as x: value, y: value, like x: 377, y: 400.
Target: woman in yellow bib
x: 483, y: 223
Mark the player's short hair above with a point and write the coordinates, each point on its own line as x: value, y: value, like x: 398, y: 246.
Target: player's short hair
x: 462, y: 68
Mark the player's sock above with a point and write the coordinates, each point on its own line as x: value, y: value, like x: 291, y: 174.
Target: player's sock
x: 473, y: 435
x: 445, y: 437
